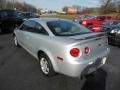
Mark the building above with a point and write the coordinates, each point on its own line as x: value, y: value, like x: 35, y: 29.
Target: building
x: 71, y: 10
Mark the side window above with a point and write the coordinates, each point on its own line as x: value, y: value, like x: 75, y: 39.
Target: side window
x: 39, y: 29
x: 31, y: 25
x: 34, y: 27
x: 24, y: 26
x: 28, y: 26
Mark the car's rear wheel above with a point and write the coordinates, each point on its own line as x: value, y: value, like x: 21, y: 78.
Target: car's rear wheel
x: 16, y: 42
x: 45, y: 65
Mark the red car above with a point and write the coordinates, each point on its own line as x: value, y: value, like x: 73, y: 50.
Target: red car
x: 96, y: 20
x: 98, y: 28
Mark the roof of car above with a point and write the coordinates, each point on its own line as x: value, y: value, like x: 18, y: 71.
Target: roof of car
x: 46, y: 19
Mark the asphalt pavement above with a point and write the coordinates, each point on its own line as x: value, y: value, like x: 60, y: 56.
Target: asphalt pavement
x: 20, y: 71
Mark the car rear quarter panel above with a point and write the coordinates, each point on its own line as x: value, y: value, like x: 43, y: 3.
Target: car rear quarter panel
x: 54, y: 47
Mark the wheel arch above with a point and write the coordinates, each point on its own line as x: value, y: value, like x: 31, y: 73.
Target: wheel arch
x: 54, y: 64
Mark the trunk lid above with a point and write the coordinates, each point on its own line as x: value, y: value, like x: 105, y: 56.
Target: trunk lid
x: 97, y: 42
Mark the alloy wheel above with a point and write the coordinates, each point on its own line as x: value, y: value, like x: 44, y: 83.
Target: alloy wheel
x: 44, y: 65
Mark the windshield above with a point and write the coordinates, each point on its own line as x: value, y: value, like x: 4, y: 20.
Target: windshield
x: 29, y: 15
x: 66, y: 28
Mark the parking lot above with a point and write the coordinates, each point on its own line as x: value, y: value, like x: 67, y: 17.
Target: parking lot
x: 20, y: 71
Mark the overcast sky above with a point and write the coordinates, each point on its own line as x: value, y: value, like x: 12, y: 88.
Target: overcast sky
x: 59, y: 4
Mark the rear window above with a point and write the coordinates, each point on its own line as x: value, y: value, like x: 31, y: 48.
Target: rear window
x: 66, y: 28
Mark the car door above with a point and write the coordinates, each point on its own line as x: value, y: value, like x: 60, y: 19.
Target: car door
x: 27, y: 33
x: 35, y: 36
x: 21, y: 33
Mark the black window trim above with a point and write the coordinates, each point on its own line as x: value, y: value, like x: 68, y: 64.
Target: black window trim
x: 33, y: 32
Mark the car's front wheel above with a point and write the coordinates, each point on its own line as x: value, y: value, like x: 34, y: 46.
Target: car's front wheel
x: 45, y: 65
x: 16, y: 42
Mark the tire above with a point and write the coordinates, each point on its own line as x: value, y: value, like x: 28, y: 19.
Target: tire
x: 16, y: 42
x: 46, y: 65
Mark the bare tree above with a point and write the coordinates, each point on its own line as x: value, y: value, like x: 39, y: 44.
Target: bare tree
x: 8, y: 4
x: 105, y: 5
x: 108, y: 6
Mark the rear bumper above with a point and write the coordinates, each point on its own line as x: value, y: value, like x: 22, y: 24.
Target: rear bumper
x: 84, y: 67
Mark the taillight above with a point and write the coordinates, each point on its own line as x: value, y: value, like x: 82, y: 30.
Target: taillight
x: 86, y: 50
x: 75, y: 52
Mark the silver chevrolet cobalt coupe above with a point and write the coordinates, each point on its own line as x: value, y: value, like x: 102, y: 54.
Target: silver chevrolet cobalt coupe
x: 62, y: 46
